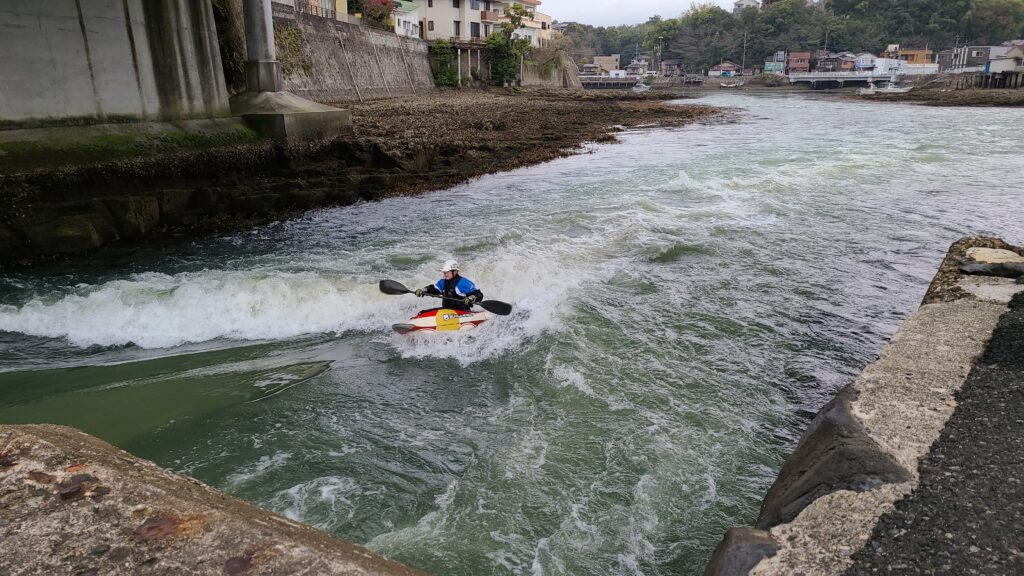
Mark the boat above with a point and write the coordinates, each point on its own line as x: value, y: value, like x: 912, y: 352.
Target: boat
x: 887, y: 89
x: 731, y: 84
x: 443, y: 320
x: 641, y: 87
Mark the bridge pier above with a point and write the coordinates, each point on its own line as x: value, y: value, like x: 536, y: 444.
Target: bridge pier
x: 267, y: 109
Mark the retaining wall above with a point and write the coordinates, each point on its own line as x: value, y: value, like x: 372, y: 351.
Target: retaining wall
x: 344, y: 62
x: 89, y: 61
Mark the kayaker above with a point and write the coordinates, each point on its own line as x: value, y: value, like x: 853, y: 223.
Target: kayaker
x: 459, y: 293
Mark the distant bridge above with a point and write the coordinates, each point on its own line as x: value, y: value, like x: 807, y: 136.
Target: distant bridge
x: 842, y: 78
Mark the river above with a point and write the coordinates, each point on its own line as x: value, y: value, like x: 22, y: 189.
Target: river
x: 685, y: 300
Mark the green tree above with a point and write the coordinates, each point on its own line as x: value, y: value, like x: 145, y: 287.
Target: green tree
x: 994, y: 21
x: 504, y: 50
x: 445, y: 73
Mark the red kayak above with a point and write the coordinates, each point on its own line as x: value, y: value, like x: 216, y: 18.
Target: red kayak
x: 443, y: 320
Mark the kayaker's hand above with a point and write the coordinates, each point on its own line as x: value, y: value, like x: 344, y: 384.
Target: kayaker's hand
x: 469, y: 300
x: 419, y: 292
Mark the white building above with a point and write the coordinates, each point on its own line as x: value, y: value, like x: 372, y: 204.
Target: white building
x: 474, y: 20
x: 407, y: 19
x: 865, y: 61
x: 742, y: 5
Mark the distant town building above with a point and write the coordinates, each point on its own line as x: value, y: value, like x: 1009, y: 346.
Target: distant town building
x: 333, y: 9
x: 865, y: 61
x: 909, y: 56
x: 608, y: 63
x: 407, y: 19
x: 671, y: 67
x: 775, y: 64
x: 742, y: 5
x: 472, y: 21
x: 798, y: 62
x: 725, y: 69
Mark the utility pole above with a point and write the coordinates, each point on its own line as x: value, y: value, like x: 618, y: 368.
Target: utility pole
x: 660, y: 57
x: 743, y: 65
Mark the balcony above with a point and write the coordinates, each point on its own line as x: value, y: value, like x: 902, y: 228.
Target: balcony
x: 489, y: 16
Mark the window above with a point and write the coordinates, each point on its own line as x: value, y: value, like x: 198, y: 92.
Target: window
x: 430, y: 4
x: 474, y: 29
x: 430, y: 25
x: 458, y: 28
x: 455, y: 3
x: 975, y: 53
x: 474, y: 4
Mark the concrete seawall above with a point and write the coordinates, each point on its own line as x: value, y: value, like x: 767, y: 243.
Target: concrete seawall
x: 861, y: 453
x: 95, y: 61
x: 73, y: 504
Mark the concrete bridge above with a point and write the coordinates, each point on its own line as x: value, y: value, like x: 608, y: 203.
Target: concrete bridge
x: 840, y: 79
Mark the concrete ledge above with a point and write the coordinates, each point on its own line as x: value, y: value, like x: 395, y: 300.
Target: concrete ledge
x: 73, y: 504
x: 861, y: 453
x: 288, y: 118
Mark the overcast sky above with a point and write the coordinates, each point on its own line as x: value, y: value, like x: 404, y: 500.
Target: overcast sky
x: 614, y: 12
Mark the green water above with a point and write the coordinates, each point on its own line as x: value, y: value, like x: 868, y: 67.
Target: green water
x: 684, y: 302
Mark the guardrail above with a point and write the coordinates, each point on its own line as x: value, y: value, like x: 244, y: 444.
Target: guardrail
x: 315, y: 10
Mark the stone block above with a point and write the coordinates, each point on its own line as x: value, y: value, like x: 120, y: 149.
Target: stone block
x: 739, y: 551
x: 68, y: 234
x: 134, y: 215
x: 835, y: 453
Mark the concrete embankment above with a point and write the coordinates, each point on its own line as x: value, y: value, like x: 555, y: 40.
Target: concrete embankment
x: 73, y: 504
x: 862, y: 453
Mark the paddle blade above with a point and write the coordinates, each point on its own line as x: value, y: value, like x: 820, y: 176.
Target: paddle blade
x: 393, y: 288
x: 496, y: 307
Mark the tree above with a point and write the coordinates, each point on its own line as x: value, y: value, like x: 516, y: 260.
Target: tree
x: 445, y: 73
x: 994, y: 21
x: 504, y: 50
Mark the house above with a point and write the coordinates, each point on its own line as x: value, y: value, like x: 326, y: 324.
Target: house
x: 672, y: 67
x: 968, y: 58
x: 726, y: 69
x: 798, y: 62
x: 458, y: 20
x: 775, y: 64
x: 407, y: 19
x: 638, y: 67
x: 742, y: 5
x: 865, y: 61
x: 909, y: 56
x: 333, y: 9
x: 607, y: 63
x: 592, y: 70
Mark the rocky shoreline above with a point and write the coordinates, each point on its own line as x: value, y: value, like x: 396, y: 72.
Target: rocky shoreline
x: 401, y: 146
x: 862, y: 453
x: 950, y: 97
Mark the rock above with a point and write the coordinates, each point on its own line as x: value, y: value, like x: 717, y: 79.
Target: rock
x: 174, y: 202
x: 835, y: 453
x: 134, y: 215
x: 994, y: 256
x: 993, y: 262
x: 68, y: 234
x: 739, y: 551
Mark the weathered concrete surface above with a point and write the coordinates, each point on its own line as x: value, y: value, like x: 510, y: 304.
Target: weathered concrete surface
x: 88, y: 61
x: 73, y: 504
x: 829, y: 497
x: 967, y: 514
x: 739, y: 551
x: 287, y: 118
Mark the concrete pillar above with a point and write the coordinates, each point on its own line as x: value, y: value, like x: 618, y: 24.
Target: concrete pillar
x: 262, y: 70
x: 459, y: 65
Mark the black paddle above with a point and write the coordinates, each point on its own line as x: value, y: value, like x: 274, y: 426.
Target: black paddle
x: 493, y: 306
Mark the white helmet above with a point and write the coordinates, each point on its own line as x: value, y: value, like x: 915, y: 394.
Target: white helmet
x: 450, y: 266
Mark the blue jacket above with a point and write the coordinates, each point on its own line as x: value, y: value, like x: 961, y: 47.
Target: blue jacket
x: 455, y: 291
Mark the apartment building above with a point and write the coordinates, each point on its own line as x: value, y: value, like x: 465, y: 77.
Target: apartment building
x: 474, y: 20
